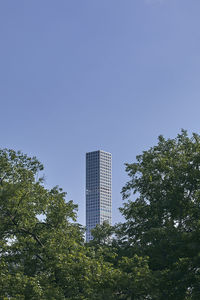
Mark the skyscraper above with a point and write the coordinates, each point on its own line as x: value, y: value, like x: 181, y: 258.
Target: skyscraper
x: 98, y: 190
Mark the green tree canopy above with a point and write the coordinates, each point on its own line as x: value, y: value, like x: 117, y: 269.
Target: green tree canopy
x: 36, y: 234
x: 154, y: 254
x: 42, y: 250
x: 163, y: 220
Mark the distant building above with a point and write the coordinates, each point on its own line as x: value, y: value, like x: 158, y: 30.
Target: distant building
x: 98, y: 190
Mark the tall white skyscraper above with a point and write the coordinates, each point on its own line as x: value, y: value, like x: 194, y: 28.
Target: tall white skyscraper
x: 98, y: 190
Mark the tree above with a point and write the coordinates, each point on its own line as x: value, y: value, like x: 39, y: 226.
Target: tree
x: 42, y: 250
x: 126, y: 278
x: 38, y: 240
x: 163, y: 222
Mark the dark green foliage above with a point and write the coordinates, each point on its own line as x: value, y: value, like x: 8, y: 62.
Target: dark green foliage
x: 37, y: 237
x: 153, y: 255
x: 163, y: 222
x: 43, y: 255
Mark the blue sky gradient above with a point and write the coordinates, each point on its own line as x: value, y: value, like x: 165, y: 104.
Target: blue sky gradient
x: 78, y: 76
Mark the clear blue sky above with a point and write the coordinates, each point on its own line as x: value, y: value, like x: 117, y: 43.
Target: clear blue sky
x: 83, y: 75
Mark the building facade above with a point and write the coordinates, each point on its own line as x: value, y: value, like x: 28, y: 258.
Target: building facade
x: 98, y: 190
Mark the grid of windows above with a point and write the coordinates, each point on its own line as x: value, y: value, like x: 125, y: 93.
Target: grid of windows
x: 98, y: 189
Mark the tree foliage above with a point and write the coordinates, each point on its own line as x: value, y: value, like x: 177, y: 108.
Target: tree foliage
x: 153, y: 255
x: 163, y: 222
x: 42, y: 249
x: 35, y: 230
